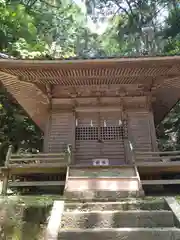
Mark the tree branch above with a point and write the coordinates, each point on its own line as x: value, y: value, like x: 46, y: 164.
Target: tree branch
x: 122, y: 8
x: 130, y: 8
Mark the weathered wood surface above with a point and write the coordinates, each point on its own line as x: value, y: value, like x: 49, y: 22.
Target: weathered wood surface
x: 161, y: 182
x: 170, y: 156
x: 36, y: 183
x: 6, y: 172
x: 160, y: 158
x: 102, y: 73
x: 60, y: 131
x: 157, y: 153
x: 25, y: 164
x: 49, y: 154
x: 139, y: 130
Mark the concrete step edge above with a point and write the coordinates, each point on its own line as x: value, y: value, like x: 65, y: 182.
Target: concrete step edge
x: 103, y: 177
x: 117, y: 211
x: 129, y: 202
x: 139, y: 229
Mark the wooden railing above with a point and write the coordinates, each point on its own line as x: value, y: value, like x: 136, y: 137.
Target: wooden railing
x: 161, y: 162
x: 28, y: 163
x: 166, y: 156
x: 133, y: 162
x: 39, y: 159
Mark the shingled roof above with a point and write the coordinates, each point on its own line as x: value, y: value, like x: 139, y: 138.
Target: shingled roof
x: 26, y: 79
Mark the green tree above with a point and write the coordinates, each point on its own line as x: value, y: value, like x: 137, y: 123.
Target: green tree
x: 16, y: 128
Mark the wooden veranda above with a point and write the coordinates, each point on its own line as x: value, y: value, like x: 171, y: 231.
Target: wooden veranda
x: 18, y: 167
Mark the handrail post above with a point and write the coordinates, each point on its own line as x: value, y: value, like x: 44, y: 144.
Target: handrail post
x: 69, y: 153
x: 6, y: 173
x: 135, y: 167
x: 8, y: 155
x: 132, y: 153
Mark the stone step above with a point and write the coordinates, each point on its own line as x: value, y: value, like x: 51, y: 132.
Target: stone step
x: 93, y: 195
x: 134, y: 204
x: 102, y: 187
x: 117, y: 219
x: 121, y: 234
x: 98, y: 171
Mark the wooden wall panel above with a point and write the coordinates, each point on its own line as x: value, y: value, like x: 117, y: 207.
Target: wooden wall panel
x: 140, y: 131
x: 60, y: 132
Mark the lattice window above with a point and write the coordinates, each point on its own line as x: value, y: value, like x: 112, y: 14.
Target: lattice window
x: 86, y: 133
x: 102, y: 133
x: 111, y: 133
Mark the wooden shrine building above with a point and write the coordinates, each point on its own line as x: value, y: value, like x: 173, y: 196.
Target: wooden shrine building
x: 103, y: 108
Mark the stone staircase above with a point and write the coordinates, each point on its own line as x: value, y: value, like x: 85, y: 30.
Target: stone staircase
x: 125, y: 220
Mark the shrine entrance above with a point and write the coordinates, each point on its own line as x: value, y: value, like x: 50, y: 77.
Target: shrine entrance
x: 100, y: 138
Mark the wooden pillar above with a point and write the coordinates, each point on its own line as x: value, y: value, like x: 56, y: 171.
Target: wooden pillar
x: 5, y: 181
x: 46, y: 133
x: 125, y: 140
x: 153, y: 132
x: 6, y: 171
x: 48, y: 120
x: 73, y: 148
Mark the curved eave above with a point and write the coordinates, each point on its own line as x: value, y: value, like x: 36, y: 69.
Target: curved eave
x: 29, y: 96
x: 160, y: 74
x: 167, y: 95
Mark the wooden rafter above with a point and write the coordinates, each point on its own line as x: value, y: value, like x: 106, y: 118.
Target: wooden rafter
x: 159, y: 75
x: 29, y: 96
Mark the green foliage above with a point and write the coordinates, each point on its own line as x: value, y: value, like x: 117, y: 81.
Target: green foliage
x: 169, y: 132
x: 59, y: 29
x: 16, y: 128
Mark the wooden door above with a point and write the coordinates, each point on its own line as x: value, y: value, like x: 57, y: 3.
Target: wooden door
x: 99, y: 136
x: 112, y: 137
x: 86, y: 137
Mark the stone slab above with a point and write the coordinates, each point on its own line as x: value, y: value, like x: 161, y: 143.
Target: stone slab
x: 54, y: 223
x: 106, y: 184
x: 134, y: 204
x: 175, y: 208
x: 92, y: 195
x: 121, y: 234
x: 100, y: 172
x: 117, y: 219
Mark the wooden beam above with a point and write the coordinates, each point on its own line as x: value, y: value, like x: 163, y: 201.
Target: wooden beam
x: 35, y: 170
x: 106, y: 178
x: 37, y: 165
x: 98, y: 109
x: 38, y: 155
x: 36, y: 183
x: 6, y: 172
x: 96, y: 167
x: 160, y: 182
x: 157, y: 164
x: 103, y: 98
x: 44, y: 160
x: 157, y: 153
x: 157, y: 157
x: 92, y: 62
